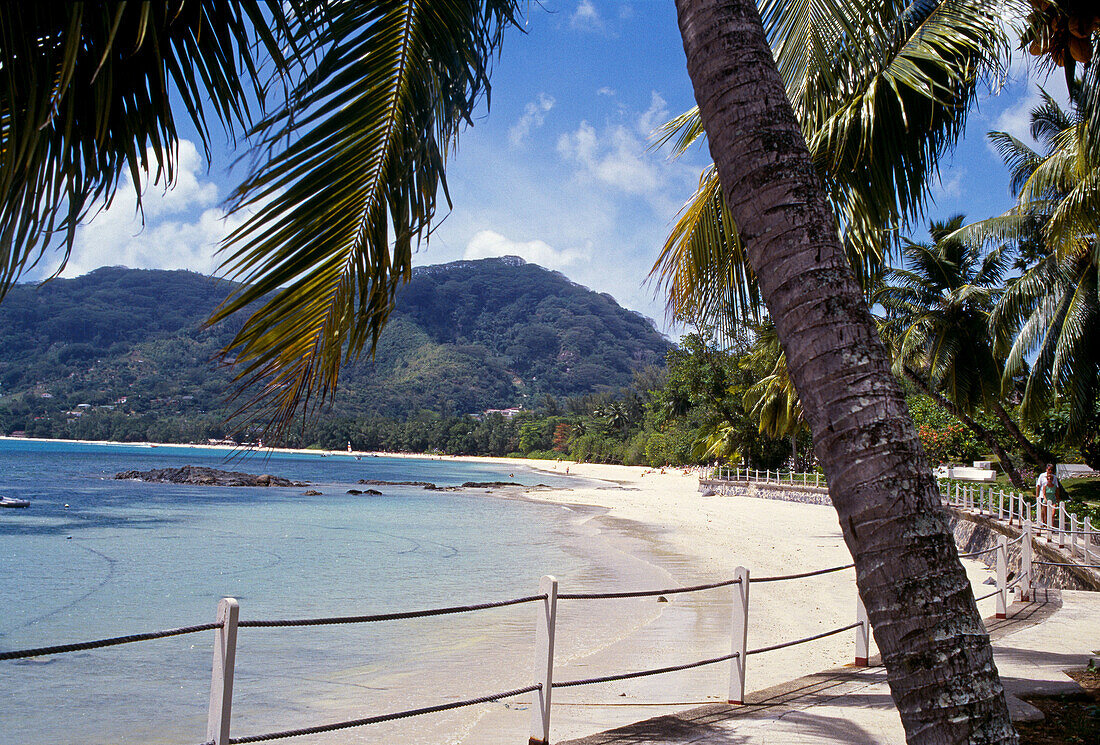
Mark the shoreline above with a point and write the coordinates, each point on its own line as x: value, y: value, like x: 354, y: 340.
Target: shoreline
x: 660, y: 519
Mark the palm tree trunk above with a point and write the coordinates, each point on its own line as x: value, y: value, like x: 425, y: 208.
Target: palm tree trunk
x: 1037, y: 454
x: 935, y: 648
x: 985, y: 435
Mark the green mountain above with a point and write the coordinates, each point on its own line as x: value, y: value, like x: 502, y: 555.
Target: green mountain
x: 467, y: 336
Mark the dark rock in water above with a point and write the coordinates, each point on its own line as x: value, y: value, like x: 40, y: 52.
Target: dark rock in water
x: 377, y: 482
x: 206, y: 477
x: 354, y: 492
x: 489, y: 484
x: 435, y: 487
x: 311, y: 493
x: 373, y: 492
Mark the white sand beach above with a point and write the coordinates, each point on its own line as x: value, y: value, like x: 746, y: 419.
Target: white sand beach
x: 702, y: 539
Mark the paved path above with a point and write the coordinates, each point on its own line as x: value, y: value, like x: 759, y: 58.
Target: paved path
x: 1038, y: 640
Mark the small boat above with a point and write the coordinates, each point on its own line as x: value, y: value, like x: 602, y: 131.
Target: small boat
x: 13, y: 502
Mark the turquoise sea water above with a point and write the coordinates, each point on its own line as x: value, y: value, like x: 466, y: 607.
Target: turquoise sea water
x: 94, y: 557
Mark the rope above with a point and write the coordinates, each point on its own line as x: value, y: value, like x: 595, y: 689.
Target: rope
x: 984, y: 597
x: 1013, y: 583
x: 1055, y: 564
x: 977, y: 553
x: 822, y: 635
x: 779, y: 578
x: 382, y: 717
x: 112, y: 642
x: 643, y: 593
x: 643, y: 673
x: 389, y: 616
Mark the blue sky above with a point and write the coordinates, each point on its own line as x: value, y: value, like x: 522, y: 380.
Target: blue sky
x: 559, y: 171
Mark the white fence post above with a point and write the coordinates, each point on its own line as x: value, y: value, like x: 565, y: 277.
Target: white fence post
x: 1025, y: 563
x: 1000, y: 504
x: 1061, y: 525
x: 1088, y: 539
x: 1073, y: 534
x: 740, y: 635
x: 221, y: 676
x: 863, y: 632
x: 1002, y: 577
x: 544, y: 660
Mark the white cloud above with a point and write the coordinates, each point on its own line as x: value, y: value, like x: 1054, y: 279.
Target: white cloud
x: 605, y: 91
x: 534, y: 114
x: 489, y: 243
x: 953, y: 186
x: 1015, y: 118
x: 586, y: 17
x: 182, y: 230
x: 617, y: 158
x: 653, y: 117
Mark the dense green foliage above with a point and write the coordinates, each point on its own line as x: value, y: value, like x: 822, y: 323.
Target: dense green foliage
x: 122, y: 354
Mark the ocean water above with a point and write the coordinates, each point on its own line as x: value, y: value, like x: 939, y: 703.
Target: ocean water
x: 94, y: 557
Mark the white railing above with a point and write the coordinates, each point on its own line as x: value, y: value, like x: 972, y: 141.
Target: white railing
x: 228, y: 622
x: 790, y: 478
x: 1063, y: 527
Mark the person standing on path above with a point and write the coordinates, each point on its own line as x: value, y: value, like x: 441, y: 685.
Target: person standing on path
x: 1047, y: 485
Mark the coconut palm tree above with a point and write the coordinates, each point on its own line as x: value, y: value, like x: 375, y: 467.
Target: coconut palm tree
x: 771, y: 401
x: 1050, y: 314
x: 937, y: 325
x: 86, y: 96
x: 881, y: 91
x: 940, y: 664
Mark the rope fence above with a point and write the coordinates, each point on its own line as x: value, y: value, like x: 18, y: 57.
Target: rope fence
x: 972, y: 554
x: 800, y: 575
x: 1057, y: 564
x: 644, y: 673
x: 815, y: 637
x: 401, y: 616
x: 378, y: 719
x: 100, y: 643
x: 643, y: 593
x: 228, y: 623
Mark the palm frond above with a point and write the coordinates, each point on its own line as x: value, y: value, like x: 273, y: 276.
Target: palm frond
x: 881, y: 90
x: 702, y: 266
x: 685, y: 129
x: 87, y: 96
x: 348, y: 186
x: 1020, y: 159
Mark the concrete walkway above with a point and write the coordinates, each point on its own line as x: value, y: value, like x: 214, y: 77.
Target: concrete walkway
x: 1032, y: 647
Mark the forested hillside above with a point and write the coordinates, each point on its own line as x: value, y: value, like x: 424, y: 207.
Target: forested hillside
x: 126, y: 349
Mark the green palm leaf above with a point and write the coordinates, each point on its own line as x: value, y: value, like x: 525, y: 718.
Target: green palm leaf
x: 86, y: 94
x: 881, y: 90
x: 1050, y: 315
x: 339, y: 210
